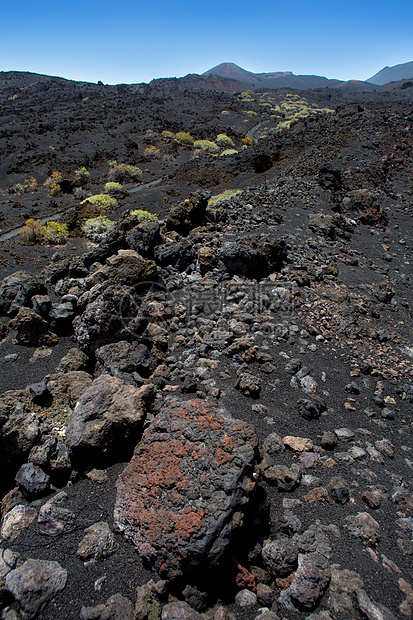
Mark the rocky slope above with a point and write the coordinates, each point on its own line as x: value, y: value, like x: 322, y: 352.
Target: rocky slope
x: 208, y: 414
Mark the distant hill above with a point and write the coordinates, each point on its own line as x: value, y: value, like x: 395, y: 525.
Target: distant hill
x: 277, y: 79
x: 393, y: 74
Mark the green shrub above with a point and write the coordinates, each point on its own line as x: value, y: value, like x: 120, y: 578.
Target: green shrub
x: 247, y: 141
x: 223, y: 197
x: 251, y: 113
x: 229, y: 152
x: 96, y: 228
x: 151, y: 152
x: 123, y: 172
x: 33, y: 231
x: 103, y: 201
x: 53, y: 183
x: 224, y: 140
x: 225, y: 113
x: 184, y: 137
x: 113, y: 188
x: 167, y: 134
x: 206, y: 145
x: 29, y: 185
x: 144, y: 215
x: 55, y: 233
x: 82, y: 173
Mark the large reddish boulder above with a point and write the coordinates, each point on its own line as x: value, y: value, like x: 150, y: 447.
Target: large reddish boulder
x: 189, y: 475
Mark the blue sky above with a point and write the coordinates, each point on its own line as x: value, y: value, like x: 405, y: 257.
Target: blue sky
x: 137, y: 41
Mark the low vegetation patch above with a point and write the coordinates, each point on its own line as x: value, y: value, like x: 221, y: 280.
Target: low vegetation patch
x: 143, y: 215
x: 223, y: 196
x: 82, y: 173
x: 224, y: 140
x: 113, y: 188
x: 53, y: 183
x: 123, y: 172
x: 52, y: 233
x: 96, y: 228
x: 229, y: 152
x: 29, y: 185
x: 104, y: 201
x: 206, y: 145
x: 184, y: 137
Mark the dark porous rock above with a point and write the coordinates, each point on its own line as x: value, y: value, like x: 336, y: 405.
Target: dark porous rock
x: 179, y: 610
x: 309, y: 583
x: 4, y: 330
x: 311, y: 408
x: 363, y: 526
x: 144, y: 237
x: 20, y: 430
x: 284, y: 478
x: 98, y: 542
x: 149, y: 600
x: 75, y: 359
x: 188, y: 214
x: 54, y: 518
x: 68, y: 387
x: 116, y: 314
x: 117, y: 607
x: 293, y: 366
x: 34, y: 584
x: 115, y: 240
x: 208, y: 259
x: 249, y: 385
x: 107, y: 418
x: 124, y: 357
x: 61, y: 316
x: 38, y: 391
x: 17, y: 290
x: 32, y: 330
x: 32, y: 480
x: 253, y: 257
x: 328, y: 440
x: 189, y: 475
x: 127, y: 268
x: 178, y: 255
x: 272, y: 447
x: 281, y: 556
x: 339, y: 490
x: 41, y: 304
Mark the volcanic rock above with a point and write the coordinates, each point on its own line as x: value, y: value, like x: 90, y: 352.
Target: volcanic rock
x: 17, y: 290
x: 117, y: 607
x: 32, y: 330
x: 116, y: 314
x: 188, y: 476
x: 34, y: 583
x: 108, y: 417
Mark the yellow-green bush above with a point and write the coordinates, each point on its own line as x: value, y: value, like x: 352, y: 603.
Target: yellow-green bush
x: 152, y: 152
x: 82, y: 173
x: 229, y: 152
x: 143, y: 215
x: 113, y: 188
x: 96, y: 228
x: 247, y: 141
x: 224, y: 140
x: 184, y: 137
x: 103, y: 201
x: 53, y: 183
x: 123, y: 172
x: 53, y: 233
x: 223, y: 196
x: 206, y: 145
x: 29, y: 185
x: 225, y: 113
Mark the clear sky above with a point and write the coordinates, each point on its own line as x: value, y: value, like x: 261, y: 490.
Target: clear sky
x: 136, y: 41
